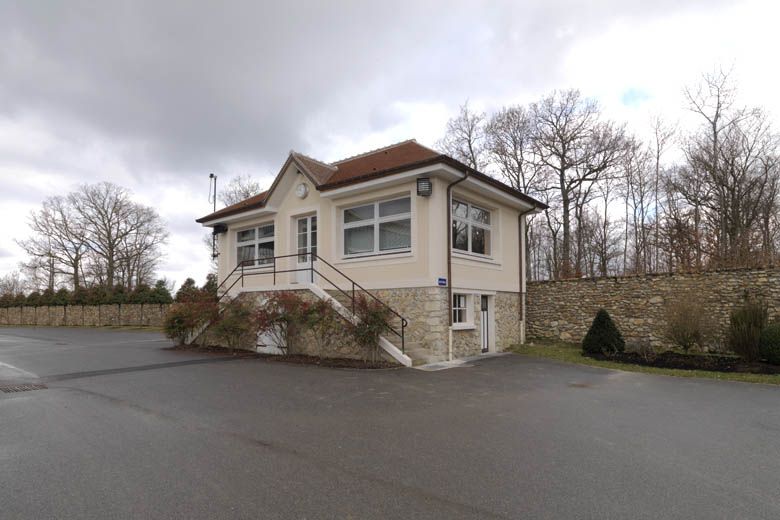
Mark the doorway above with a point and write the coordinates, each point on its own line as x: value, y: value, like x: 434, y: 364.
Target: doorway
x: 484, y: 306
x: 306, y: 242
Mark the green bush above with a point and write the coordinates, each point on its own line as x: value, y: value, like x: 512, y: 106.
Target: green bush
x: 235, y: 325
x: 745, y: 326
x: 281, y: 317
x: 769, y: 343
x: 686, y: 323
x: 184, y: 319
x: 61, y: 297
x: 33, y: 299
x: 188, y: 291
x: 603, y: 337
x: 373, y: 320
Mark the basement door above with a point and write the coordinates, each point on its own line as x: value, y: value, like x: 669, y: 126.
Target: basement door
x: 484, y: 306
x: 306, y: 240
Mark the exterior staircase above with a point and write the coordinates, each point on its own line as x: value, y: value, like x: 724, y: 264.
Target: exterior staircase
x: 341, y: 300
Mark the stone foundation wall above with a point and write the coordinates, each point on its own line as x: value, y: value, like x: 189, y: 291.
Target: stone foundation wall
x: 131, y: 315
x: 639, y: 304
x: 426, y: 311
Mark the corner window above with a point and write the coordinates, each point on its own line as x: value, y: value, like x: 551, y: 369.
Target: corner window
x: 471, y: 228
x: 379, y: 227
x: 255, y: 246
x: 460, y: 311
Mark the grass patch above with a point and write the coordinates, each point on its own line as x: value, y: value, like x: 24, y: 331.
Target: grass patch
x: 572, y: 353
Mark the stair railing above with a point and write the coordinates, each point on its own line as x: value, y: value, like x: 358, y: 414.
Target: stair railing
x: 268, y: 266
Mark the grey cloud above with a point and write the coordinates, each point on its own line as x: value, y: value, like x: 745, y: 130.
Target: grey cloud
x: 189, y: 85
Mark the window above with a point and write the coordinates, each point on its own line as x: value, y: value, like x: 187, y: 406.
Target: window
x: 470, y: 228
x: 460, y: 312
x: 255, y: 246
x: 379, y: 227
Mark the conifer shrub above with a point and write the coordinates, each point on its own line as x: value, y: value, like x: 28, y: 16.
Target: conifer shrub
x: 769, y: 343
x: 603, y: 337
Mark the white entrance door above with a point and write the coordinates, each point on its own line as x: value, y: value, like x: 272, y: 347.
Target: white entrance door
x: 306, y: 241
x: 485, y: 322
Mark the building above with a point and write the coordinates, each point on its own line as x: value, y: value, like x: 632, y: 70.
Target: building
x: 437, y: 241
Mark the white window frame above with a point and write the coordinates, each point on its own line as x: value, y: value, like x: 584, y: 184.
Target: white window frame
x: 469, y: 224
x: 257, y: 241
x: 375, y: 222
x: 467, y: 311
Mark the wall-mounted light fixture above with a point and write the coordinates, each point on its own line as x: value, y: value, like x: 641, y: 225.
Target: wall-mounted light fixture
x: 424, y: 187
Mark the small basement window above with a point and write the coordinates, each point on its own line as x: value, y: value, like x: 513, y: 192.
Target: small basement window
x: 460, y: 311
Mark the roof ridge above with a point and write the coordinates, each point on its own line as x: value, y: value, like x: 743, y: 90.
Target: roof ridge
x: 370, y: 152
x: 321, y: 163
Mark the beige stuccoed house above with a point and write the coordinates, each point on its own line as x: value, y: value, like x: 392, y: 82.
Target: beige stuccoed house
x: 436, y: 241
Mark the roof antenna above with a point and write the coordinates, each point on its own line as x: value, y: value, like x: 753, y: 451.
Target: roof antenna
x: 213, y: 190
x: 213, y: 200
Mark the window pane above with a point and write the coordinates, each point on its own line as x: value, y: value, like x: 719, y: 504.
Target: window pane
x: 301, y: 225
x: 394, y: 207
x: 266, y: 231
x: 480, y: 240
x: 359, y: 240
x: 359, y: 213
x: 460, y: 209
x: 265, y: 252
x: 459, y: 301
x: 395, y: 235
x: 457, y: 316
x: 314, y: 223
x: 480, y: 215
x: 244, y: 236
x: 460, y: 237
x: 302, y: 240
x: 245, y: 254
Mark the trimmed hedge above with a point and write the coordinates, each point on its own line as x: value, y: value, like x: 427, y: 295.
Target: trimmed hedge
x: 91, y: 296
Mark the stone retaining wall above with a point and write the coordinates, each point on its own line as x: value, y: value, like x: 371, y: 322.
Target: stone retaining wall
x: 639, y: 304
x: 131, y: 315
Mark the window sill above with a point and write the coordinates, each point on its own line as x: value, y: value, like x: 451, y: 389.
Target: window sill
x: 376, y: 257
x: 463, y: 326
x: 475, y: 258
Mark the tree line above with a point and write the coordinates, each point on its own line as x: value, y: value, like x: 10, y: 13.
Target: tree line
x: 618, y: 204
x: 93, y: 237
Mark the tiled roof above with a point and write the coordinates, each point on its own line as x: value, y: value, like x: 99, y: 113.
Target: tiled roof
x: 376, y: 163
x: 256, y: 201
x: 388, y: 158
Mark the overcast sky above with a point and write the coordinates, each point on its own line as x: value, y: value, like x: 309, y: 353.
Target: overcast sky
x: 154, y: 96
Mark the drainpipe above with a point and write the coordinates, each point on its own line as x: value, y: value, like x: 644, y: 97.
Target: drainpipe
x: 522, y: 251
x: 449, y: 260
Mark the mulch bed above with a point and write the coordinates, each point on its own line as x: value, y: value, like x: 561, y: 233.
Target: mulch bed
x: 298, y: 359
x: 711, y: 362
x: 331, y: 362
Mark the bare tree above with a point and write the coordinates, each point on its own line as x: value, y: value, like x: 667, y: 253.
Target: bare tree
x: 576, y: 147
x: 58, y: 244
x: 464, y: 138
x: 123, y: 237
x: 734, y: 157
x: 13, y: 283
x: 239, y: 188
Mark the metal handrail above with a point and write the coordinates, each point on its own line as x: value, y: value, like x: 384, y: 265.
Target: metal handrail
x: 262, y: 269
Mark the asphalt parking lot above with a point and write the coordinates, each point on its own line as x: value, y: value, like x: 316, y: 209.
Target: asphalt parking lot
x: 127, y: 429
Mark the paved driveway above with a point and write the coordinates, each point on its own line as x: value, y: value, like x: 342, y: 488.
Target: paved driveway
x: 508, y: 437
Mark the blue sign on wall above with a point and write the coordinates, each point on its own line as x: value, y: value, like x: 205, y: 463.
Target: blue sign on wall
x: 442, y: 282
